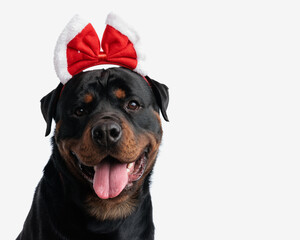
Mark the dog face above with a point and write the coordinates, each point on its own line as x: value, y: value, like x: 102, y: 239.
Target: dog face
x: 108, y: 132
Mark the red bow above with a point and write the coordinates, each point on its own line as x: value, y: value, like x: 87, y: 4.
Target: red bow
x: 78, y: 47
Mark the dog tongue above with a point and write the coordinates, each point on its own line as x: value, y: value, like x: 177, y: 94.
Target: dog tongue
x: 110, y: 179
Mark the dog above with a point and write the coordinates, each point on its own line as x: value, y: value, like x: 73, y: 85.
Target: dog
x: 105, y: 144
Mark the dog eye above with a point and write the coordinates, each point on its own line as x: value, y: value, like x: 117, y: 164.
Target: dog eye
x: 133, y: 105
x: 80, y: 112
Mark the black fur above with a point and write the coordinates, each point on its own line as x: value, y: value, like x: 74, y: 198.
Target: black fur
x: 58, y: 210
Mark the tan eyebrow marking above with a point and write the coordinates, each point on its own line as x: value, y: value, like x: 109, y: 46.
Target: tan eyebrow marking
x: 88, y: 98
x: 120, y: 93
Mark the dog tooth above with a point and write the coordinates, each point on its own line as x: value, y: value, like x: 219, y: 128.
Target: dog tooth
x: 130, y: 165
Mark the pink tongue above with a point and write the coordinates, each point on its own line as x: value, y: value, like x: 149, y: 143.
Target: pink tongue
x: 110, y: 179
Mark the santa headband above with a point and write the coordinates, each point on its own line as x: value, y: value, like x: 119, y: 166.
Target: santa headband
x: 78, y: 47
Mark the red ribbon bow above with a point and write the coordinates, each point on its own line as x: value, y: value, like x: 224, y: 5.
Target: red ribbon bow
x: 79, y: 48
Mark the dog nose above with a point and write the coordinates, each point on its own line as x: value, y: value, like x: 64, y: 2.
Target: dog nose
x: 107, y: 133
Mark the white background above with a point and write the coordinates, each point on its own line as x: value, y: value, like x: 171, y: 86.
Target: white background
x: 229, y: 164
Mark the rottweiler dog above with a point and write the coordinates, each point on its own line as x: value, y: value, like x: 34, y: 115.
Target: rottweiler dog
x: 105, y: 144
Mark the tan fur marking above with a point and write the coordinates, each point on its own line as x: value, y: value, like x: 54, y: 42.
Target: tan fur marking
x: 120, y: 93
x: 158, y: 118
x: 120, y: 207
x: 64, y: 149
x: 58, y: 125
x: 88, y: 98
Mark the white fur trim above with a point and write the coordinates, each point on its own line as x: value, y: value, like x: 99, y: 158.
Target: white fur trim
x: 102, y: 66
x: 75, y: 26
x: 117, y: 23
x: 140, y: 69
x: 107, y: 66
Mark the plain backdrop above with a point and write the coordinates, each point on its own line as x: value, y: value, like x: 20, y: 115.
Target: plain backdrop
x: 229, y: 164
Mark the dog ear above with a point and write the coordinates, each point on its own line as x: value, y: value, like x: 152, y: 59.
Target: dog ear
x: 48, y: 106
x: 161, y: 93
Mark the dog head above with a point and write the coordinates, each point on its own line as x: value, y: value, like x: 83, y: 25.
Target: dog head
x: 108, y: 132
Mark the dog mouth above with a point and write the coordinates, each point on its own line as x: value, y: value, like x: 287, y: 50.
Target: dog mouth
x: 111, y: 177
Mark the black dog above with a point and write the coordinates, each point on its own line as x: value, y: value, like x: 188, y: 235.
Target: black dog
x: 96, y: 183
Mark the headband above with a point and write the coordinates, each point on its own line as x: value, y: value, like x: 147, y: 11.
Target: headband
x: 78, y: 47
